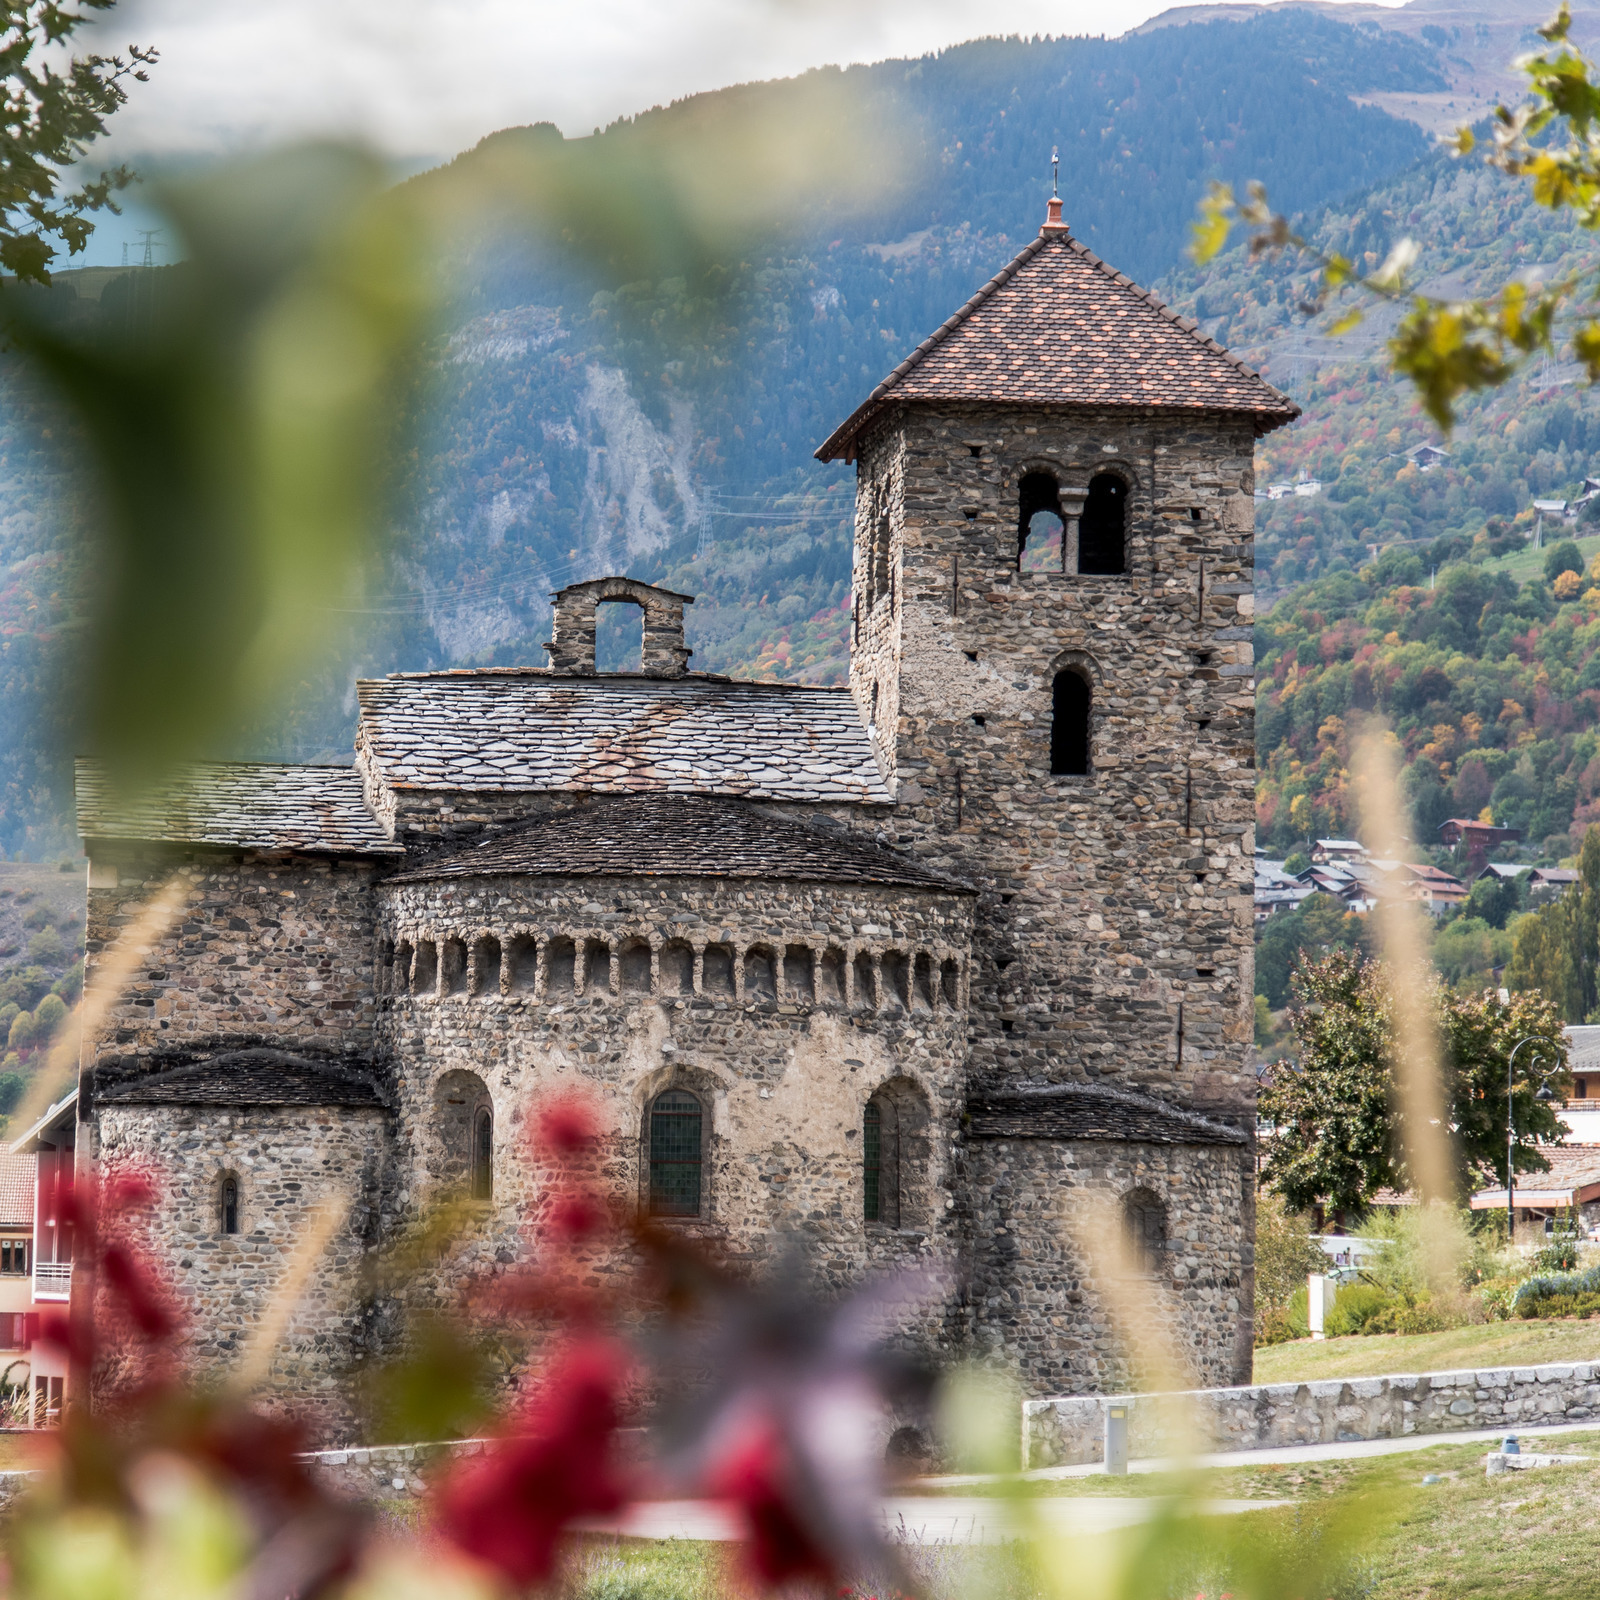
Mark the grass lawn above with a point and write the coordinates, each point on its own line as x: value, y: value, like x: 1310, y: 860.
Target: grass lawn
x: 1491, y: 1344
x: 1523, y: 1536
x: 1529, y: 563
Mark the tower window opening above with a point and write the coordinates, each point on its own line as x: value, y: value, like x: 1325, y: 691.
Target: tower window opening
x: 1102, y: 530
x: 619, y: 636
x: 228, y: 1203
x: 879, y: 580
x: 1069, y: 725
x: 676, y: 1127
x: 1040, y: 525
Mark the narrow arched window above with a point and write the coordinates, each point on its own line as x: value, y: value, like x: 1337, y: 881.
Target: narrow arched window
x: 228, y: 1203
x: 880, y: 1162
x: 1144, y: 1230
x: 676, y: 1128
x: 1103, y: 527
x: 483, y: 1155
x: 1071, y: 705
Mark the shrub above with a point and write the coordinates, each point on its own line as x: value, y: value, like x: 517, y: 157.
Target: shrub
x: 1537, y: 1290
x: 1274, y: 1325
x: 70, y: 984
x: 1559, y: 1256
x: 1418, y: 1316
x: 11, y: 1086
x: 1561, y: 1305
x: 47, y: 948
x: 1355, y: 1305
x: 25, y: 987
x: 20, y: 1036
x: 39, y: 917
x: 1285, y: 1251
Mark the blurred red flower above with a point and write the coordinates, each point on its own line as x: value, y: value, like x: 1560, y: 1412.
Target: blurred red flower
x: 509, y: 1508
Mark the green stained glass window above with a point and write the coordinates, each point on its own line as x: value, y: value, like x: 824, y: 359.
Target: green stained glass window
x: 872, y: 1160
x: 675, y: 1128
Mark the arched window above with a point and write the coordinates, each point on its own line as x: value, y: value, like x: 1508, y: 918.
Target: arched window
x: 880, y: 1162
x: 1102, y: 529
x: 1144, y: 1230
x: 228, y: 1203
x: 1039, y: 523
x: 483, y: 1155
x: 676, y: 1129
x: 1071, y: 704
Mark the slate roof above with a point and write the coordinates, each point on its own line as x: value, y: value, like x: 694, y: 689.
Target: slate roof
x: 247, y: 805
x: 523, y: 731
x: 653, y: 835
x: 1074, y: 1111
x: 252, y: 1077
x: 1059, y: 326
x: 16, y: 1190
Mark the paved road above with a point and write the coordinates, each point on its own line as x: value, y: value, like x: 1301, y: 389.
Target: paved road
x: 1285, y: 1455
x: 920, y: 1519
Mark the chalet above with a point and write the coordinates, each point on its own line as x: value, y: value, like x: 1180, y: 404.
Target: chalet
x: 1425, y: 457
x: 1328, y: 851
x: 1503, y: 871
x: 1476, y: 838
x: 1552, y: 881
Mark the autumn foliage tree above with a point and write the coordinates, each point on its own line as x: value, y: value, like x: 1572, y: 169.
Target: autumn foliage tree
x: 1555, y: 951
x: 1339, y: 1133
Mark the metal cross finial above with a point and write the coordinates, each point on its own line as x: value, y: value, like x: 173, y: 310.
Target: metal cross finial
x: 1055, y: 173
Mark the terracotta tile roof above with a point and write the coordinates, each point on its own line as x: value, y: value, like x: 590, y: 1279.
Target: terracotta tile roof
x: 1058, y: 326
x: 653, y: 835
x: 1081, y: 1112
x: 16, y: 1190
x: 522, y: 731
x: 252, y: 1077
x: 247, y: 805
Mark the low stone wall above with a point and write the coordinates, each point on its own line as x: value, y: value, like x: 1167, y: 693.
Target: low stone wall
x: 1069, y: 1430
x: 387, y: 1472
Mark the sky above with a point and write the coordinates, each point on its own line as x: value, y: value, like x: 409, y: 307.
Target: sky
x: 431, y: 77
x: 424, y: 79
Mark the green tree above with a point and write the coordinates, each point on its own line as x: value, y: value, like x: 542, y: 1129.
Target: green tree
x: 1493, y: 900
x: 1337, y: 1134
x: 1318, y: 924
x: 22, y: 1034
x: 1285, y: 1251
x: 1564, y: 557
x: 48, y: 1016
x: 51, y: 113
x: 1554, y: 951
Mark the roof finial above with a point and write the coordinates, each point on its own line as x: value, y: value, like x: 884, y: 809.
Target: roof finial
x: 1052, y: 218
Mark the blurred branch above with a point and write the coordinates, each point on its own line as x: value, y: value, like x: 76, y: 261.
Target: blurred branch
x: 1452, y: 347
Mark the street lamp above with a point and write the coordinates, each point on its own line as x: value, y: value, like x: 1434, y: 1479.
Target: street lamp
x: 1544, y: 1095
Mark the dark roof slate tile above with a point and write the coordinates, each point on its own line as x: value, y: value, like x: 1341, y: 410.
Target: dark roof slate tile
x: 1075, y: 1111
x: 680, y: 836
x: 526, y: 731
x: 245, y: 805
x: 1059, y: 326
x: 262, y: 1077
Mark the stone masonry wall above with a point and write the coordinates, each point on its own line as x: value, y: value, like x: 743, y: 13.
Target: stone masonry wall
x: 1114, y: 937
x: 1039, y: 1297
x: 269, y: 948
x: 1069, y: 1431
x: 784, y: 1071
x: 288, y: 1161
x: 1115, y: 906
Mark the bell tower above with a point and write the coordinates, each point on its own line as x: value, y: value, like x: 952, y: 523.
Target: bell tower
x: 1052, y: 646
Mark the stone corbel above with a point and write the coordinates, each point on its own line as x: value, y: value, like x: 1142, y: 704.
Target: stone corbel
x: 1072, y: 501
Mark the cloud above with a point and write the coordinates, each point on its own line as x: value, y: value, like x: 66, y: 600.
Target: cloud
x: 432, y: 77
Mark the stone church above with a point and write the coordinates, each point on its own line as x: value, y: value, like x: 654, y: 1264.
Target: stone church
x: 932, y: 967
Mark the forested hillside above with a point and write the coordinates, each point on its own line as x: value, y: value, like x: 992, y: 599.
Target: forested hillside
x: 575, y: 425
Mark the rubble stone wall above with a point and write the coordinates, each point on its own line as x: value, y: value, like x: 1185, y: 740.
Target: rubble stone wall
x: 1053, y: 1291
x: 267, y: 948
x: 784, y: 1075
x: 291, y: 1163
x: 1069, y: 1431
x: 1114, y: 933
x: 1113, y: 900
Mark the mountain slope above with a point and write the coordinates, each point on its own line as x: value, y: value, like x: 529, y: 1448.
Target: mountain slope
x: 573, y: 425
